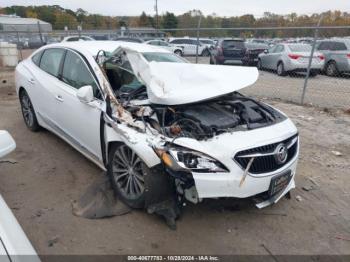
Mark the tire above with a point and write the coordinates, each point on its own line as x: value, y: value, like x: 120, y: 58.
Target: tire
x: 280, y: 69
x: 313, y: 73
x: 28, y: 112
x: 211, y: 61
x: 178, y: 52
x: 259, y: 65
x: 205, y: 52
x: 126, y: 173
x: 331, y: 69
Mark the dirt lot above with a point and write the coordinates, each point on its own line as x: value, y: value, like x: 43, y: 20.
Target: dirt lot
x: 49, y: 174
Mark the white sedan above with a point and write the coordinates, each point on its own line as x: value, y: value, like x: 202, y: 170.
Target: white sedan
x: 165, y: 130
x: 179, y: 50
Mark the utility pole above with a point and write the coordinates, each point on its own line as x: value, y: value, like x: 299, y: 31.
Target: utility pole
x: 157, y: 19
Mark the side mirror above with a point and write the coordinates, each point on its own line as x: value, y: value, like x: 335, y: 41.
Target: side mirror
x: 7, y: 144
x: 266, y: 51
x: 85, y: 94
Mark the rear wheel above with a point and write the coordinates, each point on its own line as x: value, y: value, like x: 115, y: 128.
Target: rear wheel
x: 28, y: 111
x: 331, y: 69
x: 178, y: 52
x: 126, y: 172
x: 259, y: 65
x: 206, y: 52
x: 280, y: 69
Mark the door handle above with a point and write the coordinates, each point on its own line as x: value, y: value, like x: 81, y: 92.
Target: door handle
x: 59, y: 98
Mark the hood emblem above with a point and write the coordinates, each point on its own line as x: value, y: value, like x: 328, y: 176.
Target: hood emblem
x: 281, y: 154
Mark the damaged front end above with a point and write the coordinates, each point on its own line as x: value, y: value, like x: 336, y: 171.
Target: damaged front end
x: 187, y: 140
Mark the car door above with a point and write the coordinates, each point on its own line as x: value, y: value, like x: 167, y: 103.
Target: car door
x: 275, y: 56
x: 266, y: 58
x: 78, y: 121
x: 45, y: 83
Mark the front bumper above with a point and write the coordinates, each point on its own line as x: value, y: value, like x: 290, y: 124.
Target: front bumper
x: 227, y: 184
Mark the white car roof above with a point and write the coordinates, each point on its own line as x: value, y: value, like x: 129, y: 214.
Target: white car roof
x: 92, y: 47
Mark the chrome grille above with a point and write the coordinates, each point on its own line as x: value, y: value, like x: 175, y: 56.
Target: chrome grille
x: 265, y: 156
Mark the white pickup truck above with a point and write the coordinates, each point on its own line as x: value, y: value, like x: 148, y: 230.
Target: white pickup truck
x: 14, y: 244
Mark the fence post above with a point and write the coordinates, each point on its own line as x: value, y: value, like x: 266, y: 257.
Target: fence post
x: 310, y: 60
x: 40, y: 34
x: 198, y: 28
x: 19, y: 46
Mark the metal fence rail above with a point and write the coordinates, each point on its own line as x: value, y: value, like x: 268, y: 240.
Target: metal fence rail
x: 330, y: 88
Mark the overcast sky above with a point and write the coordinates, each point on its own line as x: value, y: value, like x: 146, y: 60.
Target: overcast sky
x: 220, y: 7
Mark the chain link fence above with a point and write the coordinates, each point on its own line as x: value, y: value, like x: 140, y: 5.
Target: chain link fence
x: 287, y: 69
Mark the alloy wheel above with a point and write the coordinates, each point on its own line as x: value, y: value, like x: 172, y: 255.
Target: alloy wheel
x: 27, y: 109
x: 127, y: 173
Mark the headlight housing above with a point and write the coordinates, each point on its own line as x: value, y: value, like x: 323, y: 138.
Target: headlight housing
x: 184, y: 159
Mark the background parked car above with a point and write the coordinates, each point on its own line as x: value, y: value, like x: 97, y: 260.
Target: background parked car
x: 337, y: 56
x: 190, y: 46
x: 287, y: 58
x: 228, y: 51
x: 77, y: 38
x: 208, y: 42
x: 129, y: 39
x: 172, y: 48
x: 252, y: 52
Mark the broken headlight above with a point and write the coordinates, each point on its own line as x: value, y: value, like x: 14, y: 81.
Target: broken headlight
x: 178, y: 159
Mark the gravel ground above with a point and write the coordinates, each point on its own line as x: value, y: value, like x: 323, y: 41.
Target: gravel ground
x: 49, y: 175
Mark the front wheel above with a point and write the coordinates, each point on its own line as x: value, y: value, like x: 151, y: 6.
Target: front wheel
x: 28, y: 111
x: 259, y: 65
x: 280, y: 69
x: 126, y: 173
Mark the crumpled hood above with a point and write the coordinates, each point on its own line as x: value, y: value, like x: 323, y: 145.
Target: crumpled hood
x: 184, y: 83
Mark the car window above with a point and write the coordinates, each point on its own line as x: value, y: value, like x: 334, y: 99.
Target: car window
x: 300, y: 48
x: 279, y: 49
x: 324, y: 46
x: 76, y: 74
x: 177, y: 41
x: 233, y: 44
x: 338, y: 46
x: 161, y: 43
x: 51, y: 60
x: 272, y: 49
x: 152, y: 43
x: 36, y: 58
x: 72, y: 39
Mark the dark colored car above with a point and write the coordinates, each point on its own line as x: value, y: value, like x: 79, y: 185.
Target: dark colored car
x: 228, y: 51
x: 252, y: 52
x: 129, y: 39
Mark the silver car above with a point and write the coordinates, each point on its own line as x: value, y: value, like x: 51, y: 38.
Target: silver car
x: 337, y: 56
x: 288, y: 58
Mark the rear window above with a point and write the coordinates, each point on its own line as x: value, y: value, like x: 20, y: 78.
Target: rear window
x: 233, y: 44
x: 51, y: 60
x: 36, y: 58
x: 338, y: 46
x: 300, y: 48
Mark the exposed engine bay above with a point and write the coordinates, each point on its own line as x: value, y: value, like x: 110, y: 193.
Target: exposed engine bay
x: 200, y: 121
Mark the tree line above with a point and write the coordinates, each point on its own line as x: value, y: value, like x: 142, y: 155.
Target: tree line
x: 60, y: 17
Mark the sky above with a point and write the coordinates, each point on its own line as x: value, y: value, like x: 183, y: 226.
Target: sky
x: 220, y: 7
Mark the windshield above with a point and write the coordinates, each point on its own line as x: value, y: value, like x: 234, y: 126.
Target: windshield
x: 163, y: 57
x: 300, y: 48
